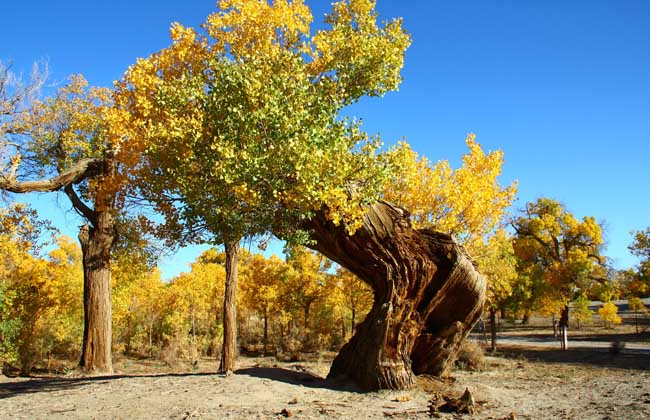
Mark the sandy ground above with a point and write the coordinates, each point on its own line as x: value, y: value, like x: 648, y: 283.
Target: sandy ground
x: 520, y: 383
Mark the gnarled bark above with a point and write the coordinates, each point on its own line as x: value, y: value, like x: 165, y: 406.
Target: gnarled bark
x: 427, y: 297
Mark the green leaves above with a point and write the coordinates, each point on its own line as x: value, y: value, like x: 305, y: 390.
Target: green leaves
x: 248, y: 137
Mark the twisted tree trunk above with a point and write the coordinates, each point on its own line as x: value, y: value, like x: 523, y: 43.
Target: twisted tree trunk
x: 427, y: 297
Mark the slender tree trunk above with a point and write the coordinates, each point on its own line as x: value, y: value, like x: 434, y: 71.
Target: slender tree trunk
x: 229, y: 348
x: 266, y: 330
x: 307, y: 308
x: 354, y: 320
x: 564, y: 328
x: 493, y: 330
x: 96, y: 243
x: 427, y: 297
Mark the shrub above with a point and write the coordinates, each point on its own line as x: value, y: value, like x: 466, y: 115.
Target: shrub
x: 471, y: 356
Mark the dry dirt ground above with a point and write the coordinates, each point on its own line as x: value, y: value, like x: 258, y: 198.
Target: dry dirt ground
x: 518, y: 383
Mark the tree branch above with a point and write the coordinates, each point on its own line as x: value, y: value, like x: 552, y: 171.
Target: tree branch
x: 80, y: 206
x: 84, y: 169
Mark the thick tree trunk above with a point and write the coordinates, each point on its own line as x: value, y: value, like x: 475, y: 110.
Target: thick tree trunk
x: 26, y: 347
x: 229, y: 348
x: 96, y: 243
x: 427, y: 297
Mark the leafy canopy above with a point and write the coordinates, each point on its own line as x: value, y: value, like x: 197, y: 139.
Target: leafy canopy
x: 468, y: 202
x: 238, y: 122
x: 558, y: 249
x: 640, y: 283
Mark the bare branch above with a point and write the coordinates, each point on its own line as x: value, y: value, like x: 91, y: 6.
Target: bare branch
x: 84, y: 169
x: 80, y: 206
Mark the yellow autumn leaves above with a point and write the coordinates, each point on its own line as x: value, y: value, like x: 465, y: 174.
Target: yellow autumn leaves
x: 468, y: 203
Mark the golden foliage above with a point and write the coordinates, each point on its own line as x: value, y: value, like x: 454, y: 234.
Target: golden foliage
x: 609, y: 313
x: 467, y: 203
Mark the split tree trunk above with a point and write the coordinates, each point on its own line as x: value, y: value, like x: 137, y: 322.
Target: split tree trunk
x: 427, y: 297
x: 96, y: 243
x: 229, y: 348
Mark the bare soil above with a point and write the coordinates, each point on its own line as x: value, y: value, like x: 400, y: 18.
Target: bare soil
x: 518, y: 383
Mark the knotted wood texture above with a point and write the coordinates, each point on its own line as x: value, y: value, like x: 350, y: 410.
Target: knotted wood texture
x: 427, y: 297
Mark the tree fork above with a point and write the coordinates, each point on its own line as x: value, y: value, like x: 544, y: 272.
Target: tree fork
x: 427, y: 297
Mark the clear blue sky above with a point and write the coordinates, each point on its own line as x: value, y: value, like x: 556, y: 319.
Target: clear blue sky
x: 562, y: 87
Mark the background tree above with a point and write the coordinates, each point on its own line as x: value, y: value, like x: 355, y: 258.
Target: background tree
x: 20, y: 231
x: 581, y: 312
x: 356, y: 295
x: 262, y: 290
x: 306, y: 280
x: 497, y: 262
x: 639, y: 285
x: 636, y: 305
x: 42, y: 305
x: 609, y: 314
x: 560, y: 250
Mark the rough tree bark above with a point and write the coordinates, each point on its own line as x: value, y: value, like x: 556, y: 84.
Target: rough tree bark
x: 427, y: 297
x: 229, y: 348
x: 96, y: 238
x: 96, y: 244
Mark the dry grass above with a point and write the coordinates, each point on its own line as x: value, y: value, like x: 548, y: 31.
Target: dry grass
x: 471, y: 356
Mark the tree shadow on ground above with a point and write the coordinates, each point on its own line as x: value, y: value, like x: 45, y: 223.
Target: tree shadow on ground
x: 642, y: 337
x: 298, y: 375
x: 574, y: 335
x: 626, y: 359
x: 33, y: 385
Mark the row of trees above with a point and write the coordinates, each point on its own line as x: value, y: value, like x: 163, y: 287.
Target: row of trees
x: 290, y: 306
x: 297, y: 304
